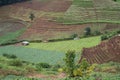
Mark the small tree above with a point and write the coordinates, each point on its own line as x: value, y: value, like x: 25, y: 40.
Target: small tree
x: 32, y: 16
x: 70, y: 62
x: 87, y: 31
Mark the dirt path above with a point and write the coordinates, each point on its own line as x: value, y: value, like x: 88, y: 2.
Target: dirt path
x: 53, y: 77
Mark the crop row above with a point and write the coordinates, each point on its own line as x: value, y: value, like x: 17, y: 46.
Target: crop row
x: 104, y: 52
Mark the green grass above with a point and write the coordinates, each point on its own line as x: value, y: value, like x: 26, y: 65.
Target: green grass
x: 82, y: 3
x: 82, y: 11
x: 63, y: 46
x: 10, y: 36
x: 34, y: 55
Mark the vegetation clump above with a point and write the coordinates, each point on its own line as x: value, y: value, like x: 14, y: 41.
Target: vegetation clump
x: 108, y: 35
x: 83, y: 70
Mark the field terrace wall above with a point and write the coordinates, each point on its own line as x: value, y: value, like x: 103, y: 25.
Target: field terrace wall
x: 104, y: 52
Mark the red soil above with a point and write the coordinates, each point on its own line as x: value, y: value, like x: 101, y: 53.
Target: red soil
x: 53, y: 77
x: 104, y: 52
x: 50, y: 5
x: 47, y: 29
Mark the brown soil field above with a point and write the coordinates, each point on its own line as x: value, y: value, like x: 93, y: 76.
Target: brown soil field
x: 47, y: 29
x: 105, y: 52
x: 49, y: 5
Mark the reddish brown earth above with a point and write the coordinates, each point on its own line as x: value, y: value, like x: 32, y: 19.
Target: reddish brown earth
x: 112, y: 26
x: 53, y: 77
x: 105, y: 52
x: 49, y: 5
x: 47, y: 29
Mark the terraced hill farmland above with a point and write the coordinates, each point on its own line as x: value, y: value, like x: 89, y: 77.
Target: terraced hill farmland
x: 11, y: 30
x: 82, y: 11
x: 104, y: 52
x: 49, y: 12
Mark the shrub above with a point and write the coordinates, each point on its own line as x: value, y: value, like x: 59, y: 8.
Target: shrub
x: 10, y: 55
x: 56, y: 67
x: 70, y: 62
x: 31, y: 16
x: 39, y: 66
x: 96, y: 33
x: 87, y: 31
x: 74, y: 35
x: 108, y: 35
x: 16, y: 62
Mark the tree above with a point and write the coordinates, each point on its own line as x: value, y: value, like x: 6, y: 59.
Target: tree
x: 5, y: 2
x: 70, y: 62
x: 87, y: 31
x: 32, y: 16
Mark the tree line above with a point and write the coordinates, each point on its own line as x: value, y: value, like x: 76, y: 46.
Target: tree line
x: 6, y: 2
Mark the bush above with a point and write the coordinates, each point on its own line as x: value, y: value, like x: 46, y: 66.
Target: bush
x: 108, y: 35
x: 70, y: 62
x: 39, y: 66
x: 56, y: 67
x: 16, y: 62
x: 104, y: 37
x: 10, y: 55
x: 87, y: 31
x: 74, y: 35
x: 97, y: 33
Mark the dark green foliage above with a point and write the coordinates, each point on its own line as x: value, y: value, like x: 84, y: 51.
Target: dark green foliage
x: 5, y: 2
x: 32, y: 16
x: 97, y: 33
x: 16, y: 62
x: 115, y: 0
x: 70, y: 62
x: 74, y: 35
x: 87, y: 31
x: 108, y: 35
x: 39, y: 66
x: 104, y: 37
x: 10, y: 55
x: 56, y: 67
x: 84, y: 64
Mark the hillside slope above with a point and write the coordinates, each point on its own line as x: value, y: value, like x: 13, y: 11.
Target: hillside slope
x: 48, y: 13
x: 105, y: 52
x: 83, y: 11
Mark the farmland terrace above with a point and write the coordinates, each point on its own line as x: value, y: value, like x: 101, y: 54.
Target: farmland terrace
x: 52, y: 15
x: 105, y: 52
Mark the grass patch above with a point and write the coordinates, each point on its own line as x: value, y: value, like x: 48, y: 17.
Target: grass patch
x: 10, y: 36
x: 63, y: 46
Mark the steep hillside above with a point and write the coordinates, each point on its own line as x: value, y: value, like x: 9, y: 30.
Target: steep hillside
x: 105, y: 52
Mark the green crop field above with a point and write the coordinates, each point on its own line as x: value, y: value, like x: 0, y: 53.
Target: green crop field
x: 10, y: 36
x: 63, y: 46
x: 34, y: 55
x: 82, y: 11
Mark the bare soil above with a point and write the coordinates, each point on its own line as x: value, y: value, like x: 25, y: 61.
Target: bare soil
x: 49, y: 5
x: 105, y: 52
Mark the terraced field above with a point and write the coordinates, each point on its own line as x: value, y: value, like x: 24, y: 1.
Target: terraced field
x: 11, y: 30
x: 49, y: 12
x: 104, y: 52
x: 92, y: 11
